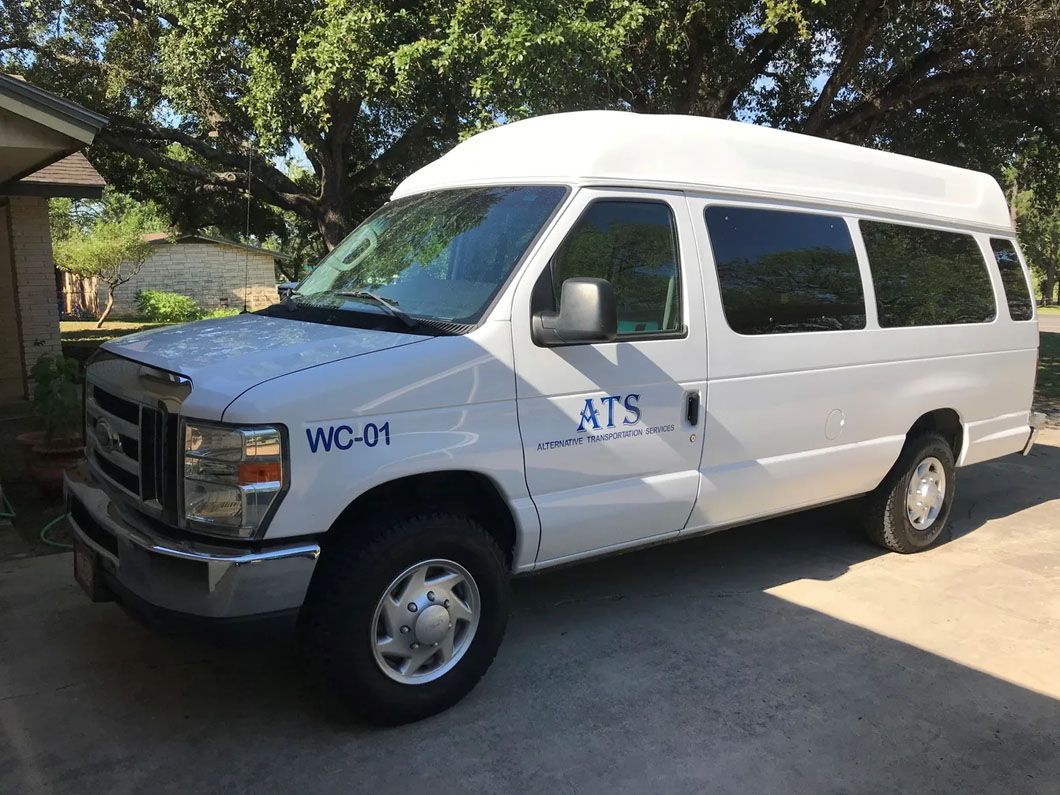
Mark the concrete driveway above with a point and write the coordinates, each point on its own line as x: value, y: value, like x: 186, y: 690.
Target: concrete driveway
x: 1049, y: 322
x: 789, y: 656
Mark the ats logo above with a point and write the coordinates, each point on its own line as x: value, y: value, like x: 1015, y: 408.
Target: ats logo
x: 593, y: 416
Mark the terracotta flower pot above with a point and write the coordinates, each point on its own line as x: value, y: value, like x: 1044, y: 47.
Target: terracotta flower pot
x: 50, y: 460
x: 26, y: 442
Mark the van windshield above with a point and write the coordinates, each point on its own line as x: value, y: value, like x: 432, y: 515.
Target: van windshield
x: 438, y: 256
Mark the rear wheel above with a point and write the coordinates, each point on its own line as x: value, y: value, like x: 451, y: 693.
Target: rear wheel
x: 405, y: 624
x: 910, y: 509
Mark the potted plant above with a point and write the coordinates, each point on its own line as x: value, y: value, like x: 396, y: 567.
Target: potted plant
x: 26, y: 441
x: 57, y: 402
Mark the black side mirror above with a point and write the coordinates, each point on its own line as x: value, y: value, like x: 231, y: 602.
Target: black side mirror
x: 587, y: 313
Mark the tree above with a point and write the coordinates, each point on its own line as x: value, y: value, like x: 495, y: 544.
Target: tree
x: 1036, y: 215
x: 206, y: 98
x: 112, y: 251
x: 1039, y: 234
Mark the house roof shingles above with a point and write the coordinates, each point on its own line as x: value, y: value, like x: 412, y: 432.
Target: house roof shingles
x: 74, y: 170
x: 157, y: 238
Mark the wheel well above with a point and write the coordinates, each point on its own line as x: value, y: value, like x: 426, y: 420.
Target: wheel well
x: 469, y: 493
x: 945, y: 422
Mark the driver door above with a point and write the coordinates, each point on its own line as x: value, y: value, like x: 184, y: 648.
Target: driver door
x: 612, y: 432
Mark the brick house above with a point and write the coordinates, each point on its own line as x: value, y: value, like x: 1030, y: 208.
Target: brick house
x: 41, y: 137
x: 215, y: 272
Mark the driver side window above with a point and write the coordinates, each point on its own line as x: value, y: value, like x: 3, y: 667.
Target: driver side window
x: 633, y: 245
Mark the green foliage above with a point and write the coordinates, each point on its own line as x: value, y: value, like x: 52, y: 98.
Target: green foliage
x: 1039, y: 234
x: 369, y: 90
x: 1048, y: 386
x: 158, y: 306
x: 219, y: 312
x: 161, y: 307
x: 110, y: 250
x: 68, y: 216
x: 1036, y: 208
x: 57, y: 395
x: 104, y: 240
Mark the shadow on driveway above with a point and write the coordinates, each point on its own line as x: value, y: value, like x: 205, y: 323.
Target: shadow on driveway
x: 671, y: 669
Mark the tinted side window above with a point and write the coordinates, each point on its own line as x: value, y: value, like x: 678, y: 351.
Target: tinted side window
x: 925, y: 277
x: 782, y: 272
x: 1008, y: 262
x: 632, y: 244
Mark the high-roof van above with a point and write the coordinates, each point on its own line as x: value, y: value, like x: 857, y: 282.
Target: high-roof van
x: 569, y: 336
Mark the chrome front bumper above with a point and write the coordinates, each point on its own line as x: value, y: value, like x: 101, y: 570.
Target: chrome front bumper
x: 184, y: 576
x: 1037, y: 420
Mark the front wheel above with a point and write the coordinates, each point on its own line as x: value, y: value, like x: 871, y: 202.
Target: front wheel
x: 404, y: 625
x: 909, y: 510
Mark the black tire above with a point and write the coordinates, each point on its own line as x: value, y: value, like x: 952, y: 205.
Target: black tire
x: 356, y: 568
x: 885, y: 518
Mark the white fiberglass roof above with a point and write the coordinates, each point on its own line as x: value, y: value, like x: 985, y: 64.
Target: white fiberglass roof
x: 600, y: 147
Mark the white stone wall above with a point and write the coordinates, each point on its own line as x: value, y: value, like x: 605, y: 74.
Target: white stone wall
x: 206, y: 272
x: 33, y: 279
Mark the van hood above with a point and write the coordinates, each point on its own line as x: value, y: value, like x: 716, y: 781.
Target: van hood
x: 225, y: 357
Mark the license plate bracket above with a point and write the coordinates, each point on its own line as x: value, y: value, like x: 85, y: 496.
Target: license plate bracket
x: 87, y: 572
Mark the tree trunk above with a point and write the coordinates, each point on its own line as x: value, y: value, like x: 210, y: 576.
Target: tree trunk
x: 332, y: 223
x: 106, y: 309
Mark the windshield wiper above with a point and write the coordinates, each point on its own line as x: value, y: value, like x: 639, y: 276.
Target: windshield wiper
x: 387, y: 305
x: 289, y: 302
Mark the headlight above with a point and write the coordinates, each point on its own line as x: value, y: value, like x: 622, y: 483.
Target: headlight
x: 232, y: 477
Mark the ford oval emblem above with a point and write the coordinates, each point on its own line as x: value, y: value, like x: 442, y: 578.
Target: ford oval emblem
x: 107, y: 438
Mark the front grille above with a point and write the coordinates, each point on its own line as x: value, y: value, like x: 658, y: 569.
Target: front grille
x: 91, y: 528
x: 133, y: 443
x: 126, y: 480
x: 119, y: 407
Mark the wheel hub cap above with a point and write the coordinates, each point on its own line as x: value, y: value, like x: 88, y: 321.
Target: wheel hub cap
x: 425, y: 621
x: 433, y: 624
x: 926, y: 493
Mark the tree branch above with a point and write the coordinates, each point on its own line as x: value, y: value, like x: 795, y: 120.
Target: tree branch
x: 863, y: 26
x: 765, y: 46
x: 233, y: 182
x: 905, y: 91
x: 411, y: 136
x: 270, y: 175
x: 72, y: 60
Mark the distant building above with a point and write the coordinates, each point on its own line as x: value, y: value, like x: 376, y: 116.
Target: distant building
x: 213, y: 271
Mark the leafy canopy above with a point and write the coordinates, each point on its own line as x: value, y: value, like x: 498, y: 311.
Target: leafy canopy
x: 208, y: 98
x: 103, y: 251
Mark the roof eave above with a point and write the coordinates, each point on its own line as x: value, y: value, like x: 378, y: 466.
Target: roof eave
x: 52, y: 190
x: 50, y: 110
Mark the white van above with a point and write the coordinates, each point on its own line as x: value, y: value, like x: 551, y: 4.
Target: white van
x: 571, y: 335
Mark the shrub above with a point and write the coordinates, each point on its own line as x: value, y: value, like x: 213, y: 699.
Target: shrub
x: 161, y: 307
x: 57, y: 395
x: 221, y: 311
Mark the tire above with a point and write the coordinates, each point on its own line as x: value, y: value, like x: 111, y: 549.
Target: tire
x: 886, y: 518
x: 343, y: 614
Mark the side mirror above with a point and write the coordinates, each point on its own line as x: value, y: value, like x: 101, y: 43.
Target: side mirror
x: 587, y: 313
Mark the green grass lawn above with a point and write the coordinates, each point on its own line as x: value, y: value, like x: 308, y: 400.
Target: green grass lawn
x: 1049, y: 310
x: 86, y: 331
x: 81, y: 338
x: 1049, y: 370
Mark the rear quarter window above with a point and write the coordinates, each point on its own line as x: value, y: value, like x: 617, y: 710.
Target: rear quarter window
x: 1012, y: 279
x: 927, y: 277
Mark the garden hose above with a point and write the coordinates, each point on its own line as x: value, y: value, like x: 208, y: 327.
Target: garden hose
x: 44, y: 533
x: 7, y: 511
